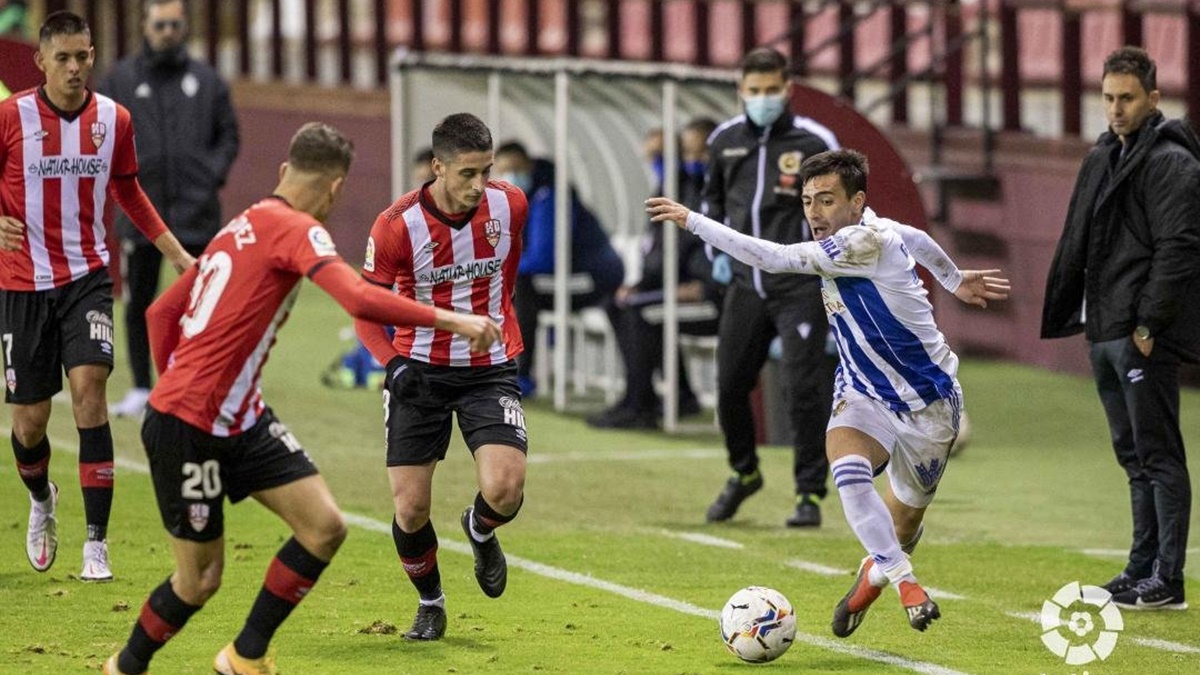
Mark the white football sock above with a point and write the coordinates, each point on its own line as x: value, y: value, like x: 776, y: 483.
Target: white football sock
x: 868, y: 516
x: 476, y: 534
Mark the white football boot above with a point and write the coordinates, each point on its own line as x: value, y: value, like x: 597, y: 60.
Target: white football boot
x: 41, y: 540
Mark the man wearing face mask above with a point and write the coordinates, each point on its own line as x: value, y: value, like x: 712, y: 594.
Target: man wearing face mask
x: 187, y: 141
x: 635, y: 310
x: 753, y: 186
x: 596, y: 268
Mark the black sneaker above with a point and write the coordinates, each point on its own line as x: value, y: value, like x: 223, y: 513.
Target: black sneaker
x: 808, y: 513
x: 619, y: 417
x: 1152, y: 593
x: 491, y: 570
x: 1121, y: 583
x: 737, y: 489
x: 429, y: 624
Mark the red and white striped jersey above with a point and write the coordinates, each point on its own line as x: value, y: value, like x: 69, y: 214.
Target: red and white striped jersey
x: 249, y: 278
x: 465, y: 263
x: 57, y: 170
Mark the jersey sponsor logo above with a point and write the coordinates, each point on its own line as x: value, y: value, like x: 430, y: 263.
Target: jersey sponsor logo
x: 491, y: 232
x: 514, y: 415
x: 87, y: 166
x: 100, y: 329
x: 478, y: 269
x: 321, y: 242
x: 369, y: 259
x: 99, y: 133
x: 198, y: 516
x: 832, y: 300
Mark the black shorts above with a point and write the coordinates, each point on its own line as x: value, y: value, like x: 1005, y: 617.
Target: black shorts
x: 47, y: 333
x: 194, y: 470
x: 418, y: 402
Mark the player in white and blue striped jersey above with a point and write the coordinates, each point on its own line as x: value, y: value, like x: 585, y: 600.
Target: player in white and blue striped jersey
x: 897, y: 401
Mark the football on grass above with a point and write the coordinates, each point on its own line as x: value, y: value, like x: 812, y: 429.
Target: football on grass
x: 757, y: 624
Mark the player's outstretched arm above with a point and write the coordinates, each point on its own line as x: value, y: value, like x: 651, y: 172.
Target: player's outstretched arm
x: 979, y: 286
x: 369, y: 303
x: 133, y: 200
x: 162, y: 318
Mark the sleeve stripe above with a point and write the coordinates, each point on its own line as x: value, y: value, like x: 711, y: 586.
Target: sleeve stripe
x: 319, y: 266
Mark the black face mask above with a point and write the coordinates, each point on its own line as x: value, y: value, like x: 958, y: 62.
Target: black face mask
x: 171, y: 58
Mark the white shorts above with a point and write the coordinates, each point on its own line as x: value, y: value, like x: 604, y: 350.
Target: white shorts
x: 918, y: 442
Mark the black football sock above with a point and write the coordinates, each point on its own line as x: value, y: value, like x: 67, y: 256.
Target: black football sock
x: 33, y: 464
x: 96, y: 478
x: 418, y: 555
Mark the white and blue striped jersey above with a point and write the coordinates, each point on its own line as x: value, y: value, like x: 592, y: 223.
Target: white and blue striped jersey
x: 889, y: 346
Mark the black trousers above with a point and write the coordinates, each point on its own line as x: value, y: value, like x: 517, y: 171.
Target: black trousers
x: 527, y: 302
x: 140, y: 264
x: 1141, y: 400
x: 641, y: 344
x: 748, y: 325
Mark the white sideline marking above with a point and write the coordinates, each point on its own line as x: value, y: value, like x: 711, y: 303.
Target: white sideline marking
x: 373, y: 525
x: 705, y: 539
x: 939, y: 594
x: 818, y: 568
x: 1151, y: 643
x: 627, y: 456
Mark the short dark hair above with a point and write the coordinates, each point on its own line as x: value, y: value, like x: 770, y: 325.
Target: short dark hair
x: 458, y: 133
x: 1133, y: 61
x: 512, y: 148
x: 849, y: 165
x: 764, y: 60
x: 63, y: 23
x: 319, y: 148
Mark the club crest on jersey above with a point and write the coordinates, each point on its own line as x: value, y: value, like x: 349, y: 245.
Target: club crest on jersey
x: 99, y: 132
x: 789, y: 162
x: 491, y: 232
x: 198, y: 516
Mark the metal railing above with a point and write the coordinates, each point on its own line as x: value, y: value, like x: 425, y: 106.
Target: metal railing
x: 348, y: 42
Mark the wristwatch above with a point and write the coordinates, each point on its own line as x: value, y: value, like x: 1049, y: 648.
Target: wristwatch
x: 1142, y: 332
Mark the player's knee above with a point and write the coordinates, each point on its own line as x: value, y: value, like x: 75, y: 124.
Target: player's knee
x: 412, y: 517
x: 196, y: 590
x: 505, y: 495
x: 332, y: 533
x: 29, y: 434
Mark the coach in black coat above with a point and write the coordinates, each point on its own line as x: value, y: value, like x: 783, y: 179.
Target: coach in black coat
x: 187, y: 139
x: 1126, y: 274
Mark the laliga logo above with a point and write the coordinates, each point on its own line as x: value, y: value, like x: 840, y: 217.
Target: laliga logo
x: 1079, y: 625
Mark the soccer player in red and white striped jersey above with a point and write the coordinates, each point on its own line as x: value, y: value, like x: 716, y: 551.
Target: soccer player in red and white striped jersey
x: 208, y: 434
x: 455, y: 243
x: 64, y: 152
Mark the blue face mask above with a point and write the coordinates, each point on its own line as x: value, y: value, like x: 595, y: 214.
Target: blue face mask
x: 523, y: 180
x: 657, y: 168
x: 764, y: 110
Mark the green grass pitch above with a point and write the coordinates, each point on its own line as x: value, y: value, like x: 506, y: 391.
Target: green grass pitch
x: 607, y: 574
